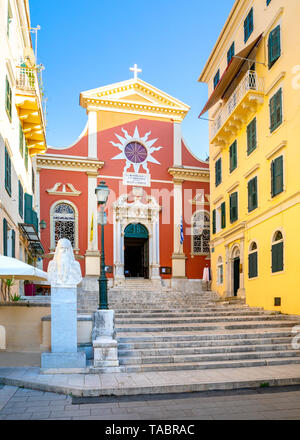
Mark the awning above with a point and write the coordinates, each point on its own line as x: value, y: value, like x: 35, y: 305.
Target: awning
x: 231, y: 71
x: 29, y: 232
x: 12, y: 267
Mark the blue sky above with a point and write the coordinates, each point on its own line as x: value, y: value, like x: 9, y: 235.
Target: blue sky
x: 92, y: 43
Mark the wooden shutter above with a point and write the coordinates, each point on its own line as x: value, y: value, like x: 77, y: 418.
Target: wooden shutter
x: 28, y: 208
x: 223, y: 215
x: 233, y: 207
x: 21, y: 141
x: 277, y: 257
x: 233, y: 156
x: 13, y: 247
x: 21, y: 200
x: 252, y: 194
x: 214, y: 221
x: 7, y: 172
x: 276, y: 110
x: 5, y: 237
x: 251, y: 136
x: 252, y: 265
x: 277, y: 176
x: 248, y: 25
x: 218, y: 172
x: 274, y: 47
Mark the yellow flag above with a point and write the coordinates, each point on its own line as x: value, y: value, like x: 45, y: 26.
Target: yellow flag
x: 92, y: 228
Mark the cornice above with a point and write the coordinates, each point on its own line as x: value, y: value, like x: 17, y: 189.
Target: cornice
x: 199, y: 174
x: 68, y: 162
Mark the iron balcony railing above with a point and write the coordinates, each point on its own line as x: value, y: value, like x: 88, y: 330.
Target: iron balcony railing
x: 249, y: 82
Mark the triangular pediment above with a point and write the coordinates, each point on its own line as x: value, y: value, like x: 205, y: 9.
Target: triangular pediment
x: 135, y: 96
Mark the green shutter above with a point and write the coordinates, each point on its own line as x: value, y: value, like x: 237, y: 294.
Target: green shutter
x: 7, y: 172
x: 233, y: 156
x: 214, y: 221
x: 26, y: 156
x: 28, y: 209
x: 21, y: 200
x: 13, y: 247
x: 5, y: 237
x: 252, y: 265
x: 251, y: 136
x: 252, y: 194
x: 8, y: 98
x: 218, y: 172
x: 275, y: 110
x: 248, y: 25
x: 277, y: 257
x: 223, y: 215
x: 274, y: 48
x: 35, y: 221
x: 233, y: 207
x: 21, y: 141
x: 277, y: 176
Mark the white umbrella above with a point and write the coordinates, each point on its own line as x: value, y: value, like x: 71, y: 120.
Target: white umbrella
x: 12, y: 267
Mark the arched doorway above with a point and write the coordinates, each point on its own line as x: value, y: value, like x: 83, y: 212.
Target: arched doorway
x: 235, y: 270
x: 136, y: 251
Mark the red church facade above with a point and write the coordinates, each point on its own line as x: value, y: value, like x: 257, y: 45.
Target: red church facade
x: 158, y: 206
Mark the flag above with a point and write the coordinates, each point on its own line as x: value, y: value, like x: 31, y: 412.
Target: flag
x: 92, y: 228
x: 181, y: 232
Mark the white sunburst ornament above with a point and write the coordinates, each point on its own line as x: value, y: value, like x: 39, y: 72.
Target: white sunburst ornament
x: 136, y: 150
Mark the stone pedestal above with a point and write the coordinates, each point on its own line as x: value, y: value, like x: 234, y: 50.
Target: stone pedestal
x: 104, y: 343
x: 64, y: 352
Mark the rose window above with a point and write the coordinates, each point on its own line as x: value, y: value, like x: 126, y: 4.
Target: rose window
x: 135, y: 152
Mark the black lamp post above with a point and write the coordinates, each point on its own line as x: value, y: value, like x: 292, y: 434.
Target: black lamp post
x: 102, y: 192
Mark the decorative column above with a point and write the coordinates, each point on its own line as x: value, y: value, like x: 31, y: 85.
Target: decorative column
x: 241, y: 292
x: 227, y: 272
x: 178, y: 257
x: 155, y: 249
x: 177, y: 144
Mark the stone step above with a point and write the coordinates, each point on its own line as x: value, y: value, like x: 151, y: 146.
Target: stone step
x: 205, y: 309
x: 174, y: 351
x: 191, y: 320
x: 180, y: 314
x: 213, y: 357
x: 229, y: 342
x: 210, y: 365
x: 230, y: 325
x: 187, y: 338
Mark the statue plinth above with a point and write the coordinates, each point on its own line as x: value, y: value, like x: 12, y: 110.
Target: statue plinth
x: 104, y: 343
x: 64, y: 274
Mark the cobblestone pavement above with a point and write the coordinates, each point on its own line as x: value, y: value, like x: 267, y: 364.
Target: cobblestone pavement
x: 280, y: 403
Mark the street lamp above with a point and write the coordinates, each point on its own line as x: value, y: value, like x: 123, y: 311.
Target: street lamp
x: 102, y: 192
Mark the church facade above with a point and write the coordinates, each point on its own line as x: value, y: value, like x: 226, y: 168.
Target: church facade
x: 157, y: 213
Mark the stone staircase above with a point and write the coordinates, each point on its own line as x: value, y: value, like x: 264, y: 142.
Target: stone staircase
x: 170, y: 331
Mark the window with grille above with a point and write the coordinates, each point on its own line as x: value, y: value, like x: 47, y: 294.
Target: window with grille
x: 64, y: 223
x: 201, y: 232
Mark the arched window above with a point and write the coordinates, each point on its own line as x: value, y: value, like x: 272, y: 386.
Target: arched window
x: 64, y: 223
x: 252, y: 261
x: 277, y: 252
x: 200, y: 233
x: 220, y: 271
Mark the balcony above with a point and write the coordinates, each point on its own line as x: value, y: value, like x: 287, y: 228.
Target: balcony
x: 234, y: 113
x: 30, y: 110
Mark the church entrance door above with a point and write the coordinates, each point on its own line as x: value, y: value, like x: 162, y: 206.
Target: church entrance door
x: 136, y: 251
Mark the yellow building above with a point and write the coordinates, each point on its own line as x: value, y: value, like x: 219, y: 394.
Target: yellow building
x: 253, y: 78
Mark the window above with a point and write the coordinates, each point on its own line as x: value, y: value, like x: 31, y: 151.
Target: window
x: 252, y: 194
x: 251, y: 136
x: 26, y: 156
x: 200, y: 234
x: 33, y: 181
x: 9, y: 240
x: 214, y: 221
x: 248, y: 25
x: 277, y: 252
x: 268, y: 2
x: 223, y: 215
x: 277, y: 176
x: 233, y: 199
x: 9, y: 17
x: 64, y: 223
x: 275, y: 110
x: 8, y: 98
x: 230, y: 53
x: 218, y: 171
x: 220, y: 276
x: 216, y: 78
x: 274, y: 46
x: 21, y: 200
x: 233, y: 156
x: 252, y: 261
x: 7, y: 172
x: 21, y: 141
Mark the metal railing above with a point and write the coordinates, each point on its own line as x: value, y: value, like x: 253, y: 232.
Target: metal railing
x: 249, y: 82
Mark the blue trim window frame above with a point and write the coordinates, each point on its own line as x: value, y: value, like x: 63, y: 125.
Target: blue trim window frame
x: 230, y: 54
x: 216, y: 78
x: 248, y: 25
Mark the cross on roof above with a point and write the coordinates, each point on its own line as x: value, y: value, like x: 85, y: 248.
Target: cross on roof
x: 135, y: 70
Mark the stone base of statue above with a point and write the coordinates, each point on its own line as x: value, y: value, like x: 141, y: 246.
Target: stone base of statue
x: 69, y: 361
x: 105, y: 345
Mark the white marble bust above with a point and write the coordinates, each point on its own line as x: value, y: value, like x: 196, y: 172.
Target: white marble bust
x: 64, y: 270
